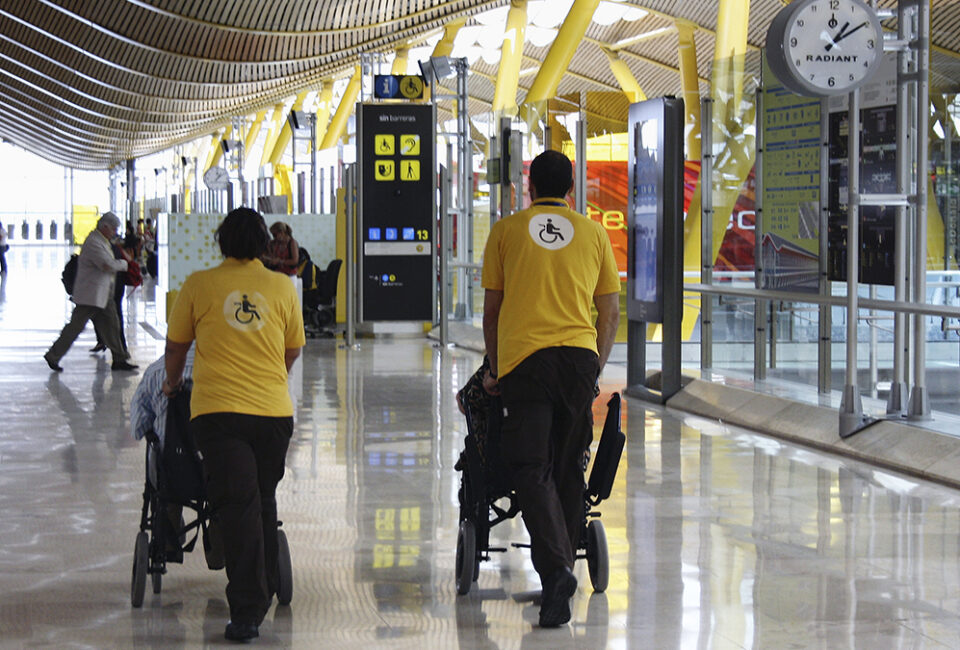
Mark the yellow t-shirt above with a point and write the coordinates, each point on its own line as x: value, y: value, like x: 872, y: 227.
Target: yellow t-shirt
x: 243, y: 318
x: 549, y: 262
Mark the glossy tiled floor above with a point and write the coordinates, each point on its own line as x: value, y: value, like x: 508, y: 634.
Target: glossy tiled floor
x: 718, y: 538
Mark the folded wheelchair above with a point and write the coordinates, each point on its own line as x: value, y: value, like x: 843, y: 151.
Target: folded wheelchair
x: 174, y: 485
x: 487, y: 498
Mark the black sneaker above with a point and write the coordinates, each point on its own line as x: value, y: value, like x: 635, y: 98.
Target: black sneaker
x: 123, y: 365
x: 241, y: 631
x: 558, y: 587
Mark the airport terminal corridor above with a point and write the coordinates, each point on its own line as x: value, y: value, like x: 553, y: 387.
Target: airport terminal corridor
x: 718, y: 537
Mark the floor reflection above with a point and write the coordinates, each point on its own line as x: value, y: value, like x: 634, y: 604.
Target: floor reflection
x: 718, y: 537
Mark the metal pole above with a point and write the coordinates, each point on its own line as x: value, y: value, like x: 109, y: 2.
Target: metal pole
x: 824, y: 325
x: 761, y: 320
x: 447, y: 214
x: 313, y: 163
x: 465, y: 199
x: 446, y: 239
x: 706, y: 232
x: 506, y: 192
x: 581, y: 175
x: 349, y: 173
x: 851, y: 408
x: 919, y: 400
x: 896, y: 400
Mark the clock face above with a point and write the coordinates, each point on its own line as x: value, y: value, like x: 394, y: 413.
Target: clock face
x: 216, y: 178
x: 824, y: 47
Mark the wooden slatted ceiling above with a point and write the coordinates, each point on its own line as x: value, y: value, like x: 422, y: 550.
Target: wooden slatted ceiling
x: 89, y: 83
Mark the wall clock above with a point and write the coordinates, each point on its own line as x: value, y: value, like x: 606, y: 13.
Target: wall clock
x: 824, y: 47
x: 216, y: 178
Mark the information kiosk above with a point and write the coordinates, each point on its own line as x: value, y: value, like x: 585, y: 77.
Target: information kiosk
x: 655, y: 243
x: 396, y: 212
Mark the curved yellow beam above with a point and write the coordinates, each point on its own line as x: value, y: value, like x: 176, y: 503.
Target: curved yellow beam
x: 339, y: 122
x: 561, y: 52
x: 286, y: 133
x: 511, y: 53
x: 620, y: 70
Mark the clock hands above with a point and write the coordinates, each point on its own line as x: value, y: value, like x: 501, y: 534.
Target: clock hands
x: 825, y: 36
x: 843, y: 33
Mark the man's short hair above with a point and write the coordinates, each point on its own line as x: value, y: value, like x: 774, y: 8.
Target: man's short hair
x: 109, y: 219
x: 243, y: 234
x: 551, y: 174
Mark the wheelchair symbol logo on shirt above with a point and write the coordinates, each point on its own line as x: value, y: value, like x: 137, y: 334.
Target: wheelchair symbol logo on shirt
x: 551, y: 231
x: 245, y: 311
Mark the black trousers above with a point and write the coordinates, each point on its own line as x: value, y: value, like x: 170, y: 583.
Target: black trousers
x: 243, y: 458
x: 547, y: 426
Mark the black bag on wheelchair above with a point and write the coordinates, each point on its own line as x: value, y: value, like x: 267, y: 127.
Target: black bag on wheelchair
x: 182, y: 470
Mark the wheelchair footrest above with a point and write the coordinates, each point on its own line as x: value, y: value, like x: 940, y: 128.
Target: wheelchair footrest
x: 520, y: 545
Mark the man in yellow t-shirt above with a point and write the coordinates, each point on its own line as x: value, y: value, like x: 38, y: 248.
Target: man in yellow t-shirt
x: 247, y: 325
x: 542, y: 269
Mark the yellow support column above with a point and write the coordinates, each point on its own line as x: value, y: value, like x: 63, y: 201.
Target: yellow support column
x: 276, y: 122
x: 561, y: 52
x: 324, y: 106
x: 401, y: 60
x: 732, y: 115
x: 252, y: 134
x: 444, y: 46
x: 511, y: 53
x: 339, y: 122
x: 214, y: 153
x: 690, y: 82
x: 620, y: 69
x: 286, y: 133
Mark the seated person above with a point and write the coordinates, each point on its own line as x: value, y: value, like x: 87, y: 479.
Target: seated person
x: 148, y: 409
x: 148, y: 413
x: 283, y: 253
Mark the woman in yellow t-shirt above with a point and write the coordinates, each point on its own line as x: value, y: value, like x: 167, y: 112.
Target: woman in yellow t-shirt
x: 246, y: 323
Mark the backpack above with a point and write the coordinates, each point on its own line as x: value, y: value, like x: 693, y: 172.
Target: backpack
x: 69, y: 275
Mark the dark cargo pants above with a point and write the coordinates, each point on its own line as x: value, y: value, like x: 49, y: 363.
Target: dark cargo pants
x: 243, y: 459
x: 548, y: 425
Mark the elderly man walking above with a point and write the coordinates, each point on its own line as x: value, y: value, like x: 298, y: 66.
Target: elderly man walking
x: 92, y: 292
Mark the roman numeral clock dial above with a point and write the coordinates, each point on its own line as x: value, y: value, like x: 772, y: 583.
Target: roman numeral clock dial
x: 824, y: 47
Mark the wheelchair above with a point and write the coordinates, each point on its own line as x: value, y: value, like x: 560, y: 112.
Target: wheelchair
x: 487, y: 498
x: 173, y: 489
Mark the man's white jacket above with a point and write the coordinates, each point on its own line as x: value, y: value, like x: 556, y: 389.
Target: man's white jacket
x: 96, y: 271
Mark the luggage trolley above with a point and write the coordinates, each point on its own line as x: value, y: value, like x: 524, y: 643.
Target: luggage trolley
x: 484, y: 487
x: 174, y: 485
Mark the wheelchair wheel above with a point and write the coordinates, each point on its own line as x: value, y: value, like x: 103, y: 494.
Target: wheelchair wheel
x: 598, y: 558
x: 284, y: 570
x: 141, y: 559
x: 157, y: 580
x: 466, y: 568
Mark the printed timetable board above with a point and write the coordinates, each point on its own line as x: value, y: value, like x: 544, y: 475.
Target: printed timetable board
x: 791, y: 188
x: 396, y: 212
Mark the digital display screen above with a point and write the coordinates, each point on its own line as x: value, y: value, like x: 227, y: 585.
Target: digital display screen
x: 646, y: 205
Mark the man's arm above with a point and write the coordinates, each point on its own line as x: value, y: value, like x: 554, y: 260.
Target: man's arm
x: 608, y: 318
x: 492, y: 300
x: 175, y: 358
x: 290, y: 355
